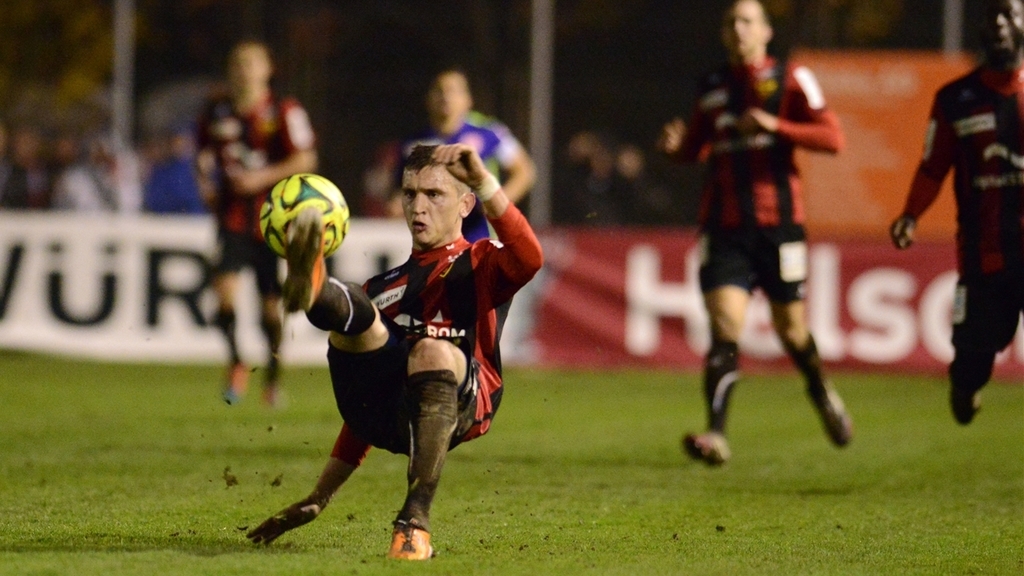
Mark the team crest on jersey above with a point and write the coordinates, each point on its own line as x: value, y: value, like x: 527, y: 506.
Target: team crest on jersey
x: 767, y: 87
x: 268, y: 121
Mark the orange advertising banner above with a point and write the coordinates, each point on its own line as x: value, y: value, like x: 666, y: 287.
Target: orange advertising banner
x: 883, y: 100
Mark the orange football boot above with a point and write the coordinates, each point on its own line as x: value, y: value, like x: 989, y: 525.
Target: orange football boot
x: 410, y: 542
x: 238, y: 382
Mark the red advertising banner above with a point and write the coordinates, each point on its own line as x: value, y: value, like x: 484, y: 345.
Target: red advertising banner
x: 617, y: 298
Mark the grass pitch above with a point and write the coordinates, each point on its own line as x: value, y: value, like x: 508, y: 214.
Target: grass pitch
x: 121, y: 469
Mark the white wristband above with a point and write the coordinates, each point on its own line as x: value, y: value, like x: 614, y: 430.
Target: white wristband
x: 488, y: 188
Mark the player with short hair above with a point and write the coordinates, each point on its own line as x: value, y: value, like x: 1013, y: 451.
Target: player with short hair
x: 750, y: 116
x: 975, y: 129
x: 248, y: 140
x: 453, y: 120
x: 413, y: 353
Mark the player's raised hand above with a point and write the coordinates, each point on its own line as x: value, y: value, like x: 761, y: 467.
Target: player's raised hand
x: 902, y: 231
x: 302, y: 512
x: 672, y: 135
x: 463, y: 162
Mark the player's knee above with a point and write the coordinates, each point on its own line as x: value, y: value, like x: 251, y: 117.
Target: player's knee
x: 971, y: 369
x: 432, y: 392
x: 434, y: 354
x: 342, y: 307
x: 724, y: 327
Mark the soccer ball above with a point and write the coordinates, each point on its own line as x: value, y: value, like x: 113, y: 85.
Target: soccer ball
x: 292, y: 195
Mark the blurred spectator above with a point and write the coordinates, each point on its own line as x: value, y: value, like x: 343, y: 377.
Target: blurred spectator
x: 171, y: 187
x: 28, y: 183
x: 379, y: 180
x: 649, y: 202
x: 99, y: 181
x: 590, y: 192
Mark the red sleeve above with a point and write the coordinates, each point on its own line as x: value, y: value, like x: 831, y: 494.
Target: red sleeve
x: 298, y: 131
x: 349, y: 448
x: 823, y: 134
x: 508, y: 268
x: 939, y: 145
x: 803, y: 119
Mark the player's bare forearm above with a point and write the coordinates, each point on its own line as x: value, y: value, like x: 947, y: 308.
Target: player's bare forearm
x: 335, y: 473
x: 522, y: 175
x: 252, y: 182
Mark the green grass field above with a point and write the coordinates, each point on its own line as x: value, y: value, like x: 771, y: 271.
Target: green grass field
x: 121, y: 469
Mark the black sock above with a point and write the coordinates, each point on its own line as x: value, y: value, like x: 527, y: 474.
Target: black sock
x: 342, y: 307
x: 433, y: 414
x: 970, y: 371
x: 809, y: 363
x: 272, y: 330
x: 225, y: 320
x: 721, y: 370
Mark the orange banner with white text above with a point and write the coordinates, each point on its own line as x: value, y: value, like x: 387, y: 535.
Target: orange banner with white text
x: 883, y: 100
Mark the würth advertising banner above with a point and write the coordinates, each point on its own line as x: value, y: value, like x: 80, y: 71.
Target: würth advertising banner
x: 136, y: 289
x: 632, y: 298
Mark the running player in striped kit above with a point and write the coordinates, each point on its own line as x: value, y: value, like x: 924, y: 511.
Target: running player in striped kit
x: 977, y: 129
x: 750, y: 116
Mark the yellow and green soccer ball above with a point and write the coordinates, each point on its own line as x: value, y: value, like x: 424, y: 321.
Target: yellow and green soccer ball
x: 291, y: 196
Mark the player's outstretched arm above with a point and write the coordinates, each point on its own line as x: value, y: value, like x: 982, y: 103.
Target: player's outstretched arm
x: 335, y: 473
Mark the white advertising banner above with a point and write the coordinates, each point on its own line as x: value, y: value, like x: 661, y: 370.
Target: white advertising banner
x: 135, y: 288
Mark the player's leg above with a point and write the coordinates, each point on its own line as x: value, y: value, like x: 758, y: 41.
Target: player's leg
x: 271, y: 325
x: 985, y: 318
x: 725, y: 278
x: 269, y: 287
x: 225, y: 286
x: 789, y: 320
x: 342, y: 308
x: 436, y: 367
x: 726, y: 307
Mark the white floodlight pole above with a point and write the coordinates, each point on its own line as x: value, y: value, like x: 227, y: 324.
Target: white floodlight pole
x: 542, y: 51
x: 121, y: 101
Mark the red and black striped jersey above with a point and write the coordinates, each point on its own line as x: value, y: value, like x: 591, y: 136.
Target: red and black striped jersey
x: 753, y: 180
x: 270, y: 133
x: 977, y: 128
x: 460, y: 292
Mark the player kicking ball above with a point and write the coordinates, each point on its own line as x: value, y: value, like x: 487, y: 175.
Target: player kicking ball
x: 413, y: 352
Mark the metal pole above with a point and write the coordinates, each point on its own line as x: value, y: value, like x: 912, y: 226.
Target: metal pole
x: 121, y: 100
x: 952, y: 26
x: 542, y: 51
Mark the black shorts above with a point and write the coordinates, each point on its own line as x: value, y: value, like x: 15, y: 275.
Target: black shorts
x: 986, y: 311
x: 773, y: 259
x: 240, y: 250
x: 369, y: 389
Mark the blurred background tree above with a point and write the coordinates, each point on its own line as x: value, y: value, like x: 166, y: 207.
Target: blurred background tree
x: 56, y: 61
